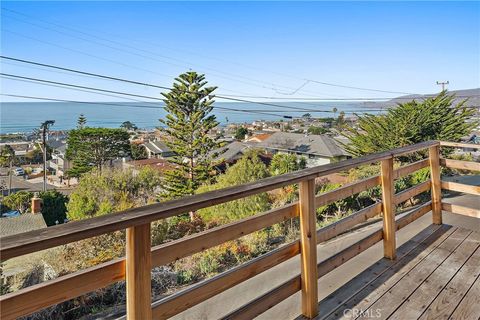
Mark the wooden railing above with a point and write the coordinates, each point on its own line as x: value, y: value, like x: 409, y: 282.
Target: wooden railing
x: 136, y: 266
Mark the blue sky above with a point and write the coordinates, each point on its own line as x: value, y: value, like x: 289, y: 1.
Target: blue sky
x: 250, y: 48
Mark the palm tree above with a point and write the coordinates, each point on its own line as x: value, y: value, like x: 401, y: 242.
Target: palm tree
x: 7, y: 158
x: 334, y: 112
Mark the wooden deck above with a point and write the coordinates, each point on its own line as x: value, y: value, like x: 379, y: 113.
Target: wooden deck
x: 436, y: 276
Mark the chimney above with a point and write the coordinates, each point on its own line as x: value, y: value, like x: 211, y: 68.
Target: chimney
x: 36, y: 204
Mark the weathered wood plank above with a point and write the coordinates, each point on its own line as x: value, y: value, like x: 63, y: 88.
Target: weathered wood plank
x: 365, y: 184
x: 446, y: 302
x: 388, y: 201
x: 434, y: 157
x: 426, y: 292
x: 469, y: 307
x: 413, y: 215
x: 29, y: 300
x: 460, y: 187
x: 457, y: 209
x: 198, y: 242
x: 412, y: 192
x: 459, y: 145
x: 346, y: 191
x: 138, y: 272
x: 200, y: 292
x: 338, y: 227
x: 397, y: 291
x: 348, y: 253
x: 410, y: 168
x: 460, y: 164
x: 416, y: 245
x: 28, y: 242
x: 308, y: 243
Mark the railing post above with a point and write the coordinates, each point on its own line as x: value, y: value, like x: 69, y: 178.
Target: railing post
x: 434, y: 158
x: 308, y: 240
x: 388, y: 190
x: 138, y: 273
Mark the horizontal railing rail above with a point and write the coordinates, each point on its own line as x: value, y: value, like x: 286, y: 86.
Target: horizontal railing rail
x: 129, y: 268
x: 460, y: 187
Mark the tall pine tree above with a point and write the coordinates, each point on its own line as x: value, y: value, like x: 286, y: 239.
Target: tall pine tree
x: 189, y: 105
x: 81, y: 122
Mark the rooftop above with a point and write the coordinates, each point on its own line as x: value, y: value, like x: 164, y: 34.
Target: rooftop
x: 320, y: 145
x: 22, y: 223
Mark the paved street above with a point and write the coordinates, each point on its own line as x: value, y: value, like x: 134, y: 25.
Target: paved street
x: 19, y: 183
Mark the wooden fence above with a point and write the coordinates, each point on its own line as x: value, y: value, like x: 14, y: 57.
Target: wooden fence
x: 140, y: 257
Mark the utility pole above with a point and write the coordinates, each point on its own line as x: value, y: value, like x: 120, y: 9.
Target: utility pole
x: 44, y: 127
x: 443, y: 83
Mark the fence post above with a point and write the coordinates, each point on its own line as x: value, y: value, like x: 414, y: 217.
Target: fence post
x: 308, y: 240
x: 388, y: 190
x: 138, y: 273
x: 434, y: 158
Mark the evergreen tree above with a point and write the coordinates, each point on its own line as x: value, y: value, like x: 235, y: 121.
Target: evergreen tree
x: 409, y: 123
x: 81, y: 122
x: 138, y: 151
x: 94, y: 147
x: 249, y: 168
x: 189, y: 105
x: 129, y: 126
x: 284, y: 163
x: 240, y: 133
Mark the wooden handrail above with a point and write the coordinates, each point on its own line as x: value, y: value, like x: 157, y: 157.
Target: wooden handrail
x: 460, y: 164
x: 52, y: 292
x: 462, y: 210
x: 459, y: 145
x: 460, y: 187
x: 28, y: 242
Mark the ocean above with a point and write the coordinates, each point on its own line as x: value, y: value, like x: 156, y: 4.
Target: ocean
x: 26, y: 116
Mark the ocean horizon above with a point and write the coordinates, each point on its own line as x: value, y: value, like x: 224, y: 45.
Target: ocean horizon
x: 23, y: 117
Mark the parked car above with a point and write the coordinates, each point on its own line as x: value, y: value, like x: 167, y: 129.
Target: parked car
x: 10, y: 214
x: 18, y: 171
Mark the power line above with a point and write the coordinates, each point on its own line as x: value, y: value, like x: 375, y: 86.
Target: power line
x: 306, y: 80
x: 139, y: 83
x: 56, y: 83
x: 128, y: 46
x: 143, y: 106
x: 223, y: 96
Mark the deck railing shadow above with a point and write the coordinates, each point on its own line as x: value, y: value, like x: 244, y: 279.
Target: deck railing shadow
x: 342, y: 300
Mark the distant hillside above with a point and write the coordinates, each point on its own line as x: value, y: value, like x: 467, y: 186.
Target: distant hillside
x: 473, y: 96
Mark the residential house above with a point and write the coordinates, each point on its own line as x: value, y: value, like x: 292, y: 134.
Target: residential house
x: 158, y: 149
x: 317, y: 149
x: 21, y: 223
x: 59, y: 164
x: 160, y: 165
x: 229, y: 153
x: 21, y: 149
x: 257, y: 138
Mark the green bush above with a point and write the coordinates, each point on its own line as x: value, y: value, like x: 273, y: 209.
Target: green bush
x: 20, y: 201
x: 54, y: 208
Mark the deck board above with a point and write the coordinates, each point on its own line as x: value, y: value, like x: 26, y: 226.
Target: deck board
x: 434, y: 278
x: 427, y: 292
x: 469, y: 307
x: 450, y: 297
